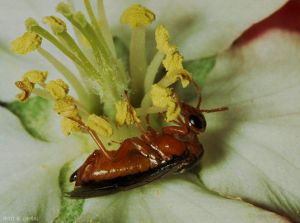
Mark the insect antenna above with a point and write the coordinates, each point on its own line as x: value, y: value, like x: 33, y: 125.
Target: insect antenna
x: 221, y: 109
x: 198, y: 92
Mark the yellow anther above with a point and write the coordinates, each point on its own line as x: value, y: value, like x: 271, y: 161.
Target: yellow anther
x: 26, y: 43
x: 57, y: 88
x: 99, y: 125
x: 162, y: 40
x: 160, y: 95
x: 165, y: 98
x: 137, y: 15
x: 173, y: 61
x: 79, y: 17
x: 64, y: 9
x: 182, y: 74
x: 36, y: 76
x: 66, y: 107
x: 26, y: 86
x: 69, y: 126
x: 30, y: 23
x: 56, y: 24
x: 173, y: 111
x: 126, y: 114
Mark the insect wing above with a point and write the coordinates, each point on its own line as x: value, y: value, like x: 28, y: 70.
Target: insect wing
x: 112, y: 186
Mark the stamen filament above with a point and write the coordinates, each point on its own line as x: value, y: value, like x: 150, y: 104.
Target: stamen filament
x: 152, y: 70
x: 99, y: 49
x: 137, y: 61
x: 95, y: 23
x: 45, y: 34
x: 42, y: 93
x: 75, y: 48
x: 105, y: 28
x: 82, y: 94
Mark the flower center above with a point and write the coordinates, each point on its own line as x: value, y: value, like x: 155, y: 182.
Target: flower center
x: 102, y: 79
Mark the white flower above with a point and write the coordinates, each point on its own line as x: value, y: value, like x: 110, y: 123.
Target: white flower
x: 252, y: 151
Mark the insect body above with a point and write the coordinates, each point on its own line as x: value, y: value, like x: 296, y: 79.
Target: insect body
x: 140, y: 160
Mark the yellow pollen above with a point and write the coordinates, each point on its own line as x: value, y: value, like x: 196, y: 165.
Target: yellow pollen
x: 66, y: 107
x: 36, y: 76
x: 57, y: 88
x: 99, y: 125
x: 164, y: 98
x: 26, y: 43
x: 56, y: 24
x: 162, y: 40
x: 173, y: 111
x: 137, y: 16
x: 126, y: 114
x: 173, y: 61
x: 26, y: 86
x: 69, y: 126
x: 182, y: 74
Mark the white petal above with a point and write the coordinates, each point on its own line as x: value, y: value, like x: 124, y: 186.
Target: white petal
x: 200, y: 28
x: 29, y: 171
x: 253, y: 150
x: 172, y: 200
x: 14, y: 13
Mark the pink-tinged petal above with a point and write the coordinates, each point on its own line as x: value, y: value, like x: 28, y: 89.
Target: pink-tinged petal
x: 200, y: 28
x: 253, y: 150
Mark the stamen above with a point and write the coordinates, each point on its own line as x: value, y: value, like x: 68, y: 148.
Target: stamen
x: 57, y: 25
x: 42, y: 93
x: 105, y: 28
x: 26, y: 86
x: 108, y: 70
x: 173, y: 61
x: 137, y: 17
x: 33, y: 26
x: 26, y: 43
x: 162, y: 40
x: 172, y: 76
x: 126, y: 114
x: 99, y: 125
x: 69, y: 126
x: 79, y: 21
x: 59, y: 28
x: 152, y: 70
x: 66, y: 107
x: 57, y: 88
x: 36, y: 76
x: 96, y: 26
x: 83, y: 96
x: 165, y: 98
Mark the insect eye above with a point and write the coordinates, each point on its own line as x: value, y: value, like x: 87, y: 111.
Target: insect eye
x: 197, y: 122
